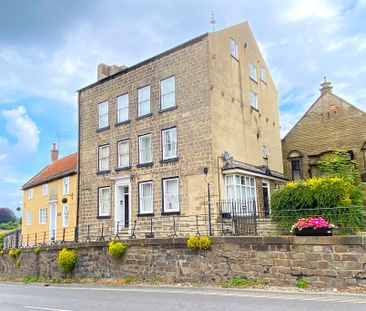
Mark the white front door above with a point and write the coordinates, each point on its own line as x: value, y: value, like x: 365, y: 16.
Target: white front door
x: 122, y: 207
x: 53, y: 219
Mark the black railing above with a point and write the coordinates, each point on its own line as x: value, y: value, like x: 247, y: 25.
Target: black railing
x: 231, y: 218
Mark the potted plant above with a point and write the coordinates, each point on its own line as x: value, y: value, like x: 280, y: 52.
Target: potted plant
x: 312, y: 226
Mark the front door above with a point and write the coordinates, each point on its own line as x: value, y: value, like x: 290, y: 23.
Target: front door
x: 122, y: 208
x: 53, y: 218
x: 266, y: 206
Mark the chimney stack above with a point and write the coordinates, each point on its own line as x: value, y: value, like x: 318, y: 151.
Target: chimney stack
x: 326, y: 87
x: 54, y: 154
x: 104, y: 70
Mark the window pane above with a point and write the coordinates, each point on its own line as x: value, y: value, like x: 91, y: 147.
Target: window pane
x: 145, y: 149
x: 123, y: 153
x: 167, y: 93
x: 170, y: 143
x: 144, y: 100
x: 103, y: 114
x: 122, y: 108
x: 171, y: 195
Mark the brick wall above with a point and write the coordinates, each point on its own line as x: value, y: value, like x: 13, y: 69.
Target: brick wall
x: 328, y: 262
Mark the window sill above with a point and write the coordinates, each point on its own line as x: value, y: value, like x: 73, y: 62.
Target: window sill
x: 146, y: 215
x: 169, y: 160
x: 170, y: 213
x: 103, y: 172
x: 253, y: 108
x: 122, y: 123
x: 125, y: 168
x: 265, y: 82
x: 145, y: 164
x: 103, y: 217
x: 103, y: 129
x: 254, y: 80
x: 144, y: 116
x: 168, y: 109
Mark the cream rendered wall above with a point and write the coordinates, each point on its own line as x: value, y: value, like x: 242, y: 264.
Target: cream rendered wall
x: 55, y: 192
x: 235, y: 125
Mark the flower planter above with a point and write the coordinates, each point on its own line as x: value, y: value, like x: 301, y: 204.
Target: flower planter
x: 313, y: 232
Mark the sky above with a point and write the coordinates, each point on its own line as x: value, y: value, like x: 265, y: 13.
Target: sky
x: 50, y: 49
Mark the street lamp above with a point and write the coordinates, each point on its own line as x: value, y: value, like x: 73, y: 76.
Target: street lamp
x: 205, y: 171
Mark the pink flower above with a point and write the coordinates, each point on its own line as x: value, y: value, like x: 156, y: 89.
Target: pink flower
x: 311, y: 222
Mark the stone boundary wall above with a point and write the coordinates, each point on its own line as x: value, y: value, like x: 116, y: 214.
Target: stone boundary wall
x: 328, y: 262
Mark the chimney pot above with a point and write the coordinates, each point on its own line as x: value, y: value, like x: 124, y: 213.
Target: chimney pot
x: 54, y: 154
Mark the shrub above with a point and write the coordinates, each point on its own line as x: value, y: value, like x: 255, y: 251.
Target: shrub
x: 303, y: 283
x: 1, y: 240
x: 18, y: 262
x: 14, y: 252
x: 67, y: 260
x: 1, y: 252
x: 37, y: 250
x: 116, y: 249
x: 195, y: 243
x: 333, y: 198
x: 205, y: 242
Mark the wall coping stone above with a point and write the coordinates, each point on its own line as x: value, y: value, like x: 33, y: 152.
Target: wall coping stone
x: 239, y: 240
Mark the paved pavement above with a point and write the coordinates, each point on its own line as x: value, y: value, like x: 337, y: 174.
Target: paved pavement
x: 21, y: 297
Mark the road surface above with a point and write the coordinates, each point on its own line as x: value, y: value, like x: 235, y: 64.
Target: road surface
x: 19, y: 297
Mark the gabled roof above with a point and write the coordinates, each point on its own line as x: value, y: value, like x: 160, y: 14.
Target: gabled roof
x: 317, y: 101
x: 60, y: 168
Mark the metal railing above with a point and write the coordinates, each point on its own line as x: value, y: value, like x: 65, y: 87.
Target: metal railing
x: 233, y: 218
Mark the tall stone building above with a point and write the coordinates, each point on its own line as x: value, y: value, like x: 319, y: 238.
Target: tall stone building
x: 330, y: 123
x: 153, y: 135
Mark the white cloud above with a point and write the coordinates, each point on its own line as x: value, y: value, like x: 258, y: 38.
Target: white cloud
x: 311, y: 9
x: 20, y: 126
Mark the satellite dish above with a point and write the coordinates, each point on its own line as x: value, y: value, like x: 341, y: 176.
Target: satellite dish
x: 227, y: 156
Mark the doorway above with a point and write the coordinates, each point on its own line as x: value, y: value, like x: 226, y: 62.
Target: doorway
x: 122, y: 207
x: 53, y: 221
x: 266, y: 204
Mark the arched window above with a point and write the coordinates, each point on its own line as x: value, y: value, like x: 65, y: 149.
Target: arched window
x: 296, y: 166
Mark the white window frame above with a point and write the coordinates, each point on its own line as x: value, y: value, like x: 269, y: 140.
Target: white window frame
x: 44, y: 190
x: 122, y: 108
x: 28, y: 218
x: 141, y: 101
x: 65, y: 215
x: 143, y: 199
x: 101, y: 159
x: 253, y: 99
x: 263, y: 73
x: 107, y: 212
x: 243, y: 192
x: 252, y: 71
x: 123, y: 142
x: 171, y: 132
x: 165, y: 200
x: 102, y: 123
x: 234, y: 48
x: 142, y: 150
x: 43, y: 216
x: 164, y: 94
x: 66, y: 185
x: 30, y: 194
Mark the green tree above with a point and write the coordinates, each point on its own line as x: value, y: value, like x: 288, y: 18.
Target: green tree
x: 7, y: 215
x: 339, y: 164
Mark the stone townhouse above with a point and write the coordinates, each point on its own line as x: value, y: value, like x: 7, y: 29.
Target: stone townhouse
x: 330, y: 123
x: 154, y: 135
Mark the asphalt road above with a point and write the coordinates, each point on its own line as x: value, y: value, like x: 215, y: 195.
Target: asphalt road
x: 79, y: 298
